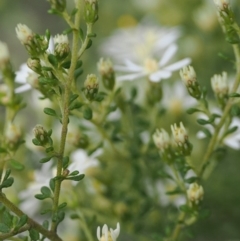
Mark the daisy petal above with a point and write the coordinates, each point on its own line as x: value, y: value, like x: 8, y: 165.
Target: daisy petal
x: 168, y: 54
x: 23, y: 88
x: 178, y: 65
x: 158, y: 75
x: 130, y: 77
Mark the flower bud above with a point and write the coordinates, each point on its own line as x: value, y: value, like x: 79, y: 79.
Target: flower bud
x: 189, y: 77
x: 4, y: 55
x: 105, y: 68
x: 195, y: 193
x: 13, y: 136
x: 24, y: 34
x: 91, y: 11
x: 41, y: 135
x: 61, y: 46
x: 34, y: 64
x: 108, y: 235
x: 91, y: 86
x: 58, y: 5
x: 5, y: 94
x: 222, y: 4
x: 163, y: 143
x: 220, y: 87
x: 181, y: 138
x: 32, y: 79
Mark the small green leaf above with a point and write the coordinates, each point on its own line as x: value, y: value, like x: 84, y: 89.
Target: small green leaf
x: 45, y: 68
x: 234, y: 95
x: 3, y: 150
x: 62, y: 205
x: 46, y: 211
x: 185, y: 208
x: 74, y: 216
x: 79, y: 64
x: 76, y: 178
x: 49, y: 111
x: 235, y: 110
x: 74, y: 173
x: 52, y: 184
x: 191, y: 179
x: 45, y: 224
x: 65, y: 162
x: 45, y: 81
x: 49, y: 149
x: 40, y: 196
x: 66, y: 65
x: 67, y: 31
x: 231, y: 130
x: 207, y: 132
x: 22, y: 221
x: 7, y: 183
x: 36, y: 142
x: 77, y: 73
x: 92, y: 35
x: 34, y: 235
x: 73, y: 97
x: 81, y: 34
x: 7, y: 174
x: 87, y: 113
x: 74, y: 11
x: 53, y: 60
x: 202, y: 121
x: 75, y: 105
x: 60, y: 216
x: 4, y: 228
x: 45, y: 159
x: 7, y: 218
x: 16, y: 165
x: 192, y: 110
x: 46, y: 191
x: 89, y: 44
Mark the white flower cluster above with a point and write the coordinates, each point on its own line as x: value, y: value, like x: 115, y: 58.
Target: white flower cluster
x: 144, y: 51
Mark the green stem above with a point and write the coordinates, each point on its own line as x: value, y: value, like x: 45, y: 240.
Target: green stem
x: 9, y: 235
x: 32, y: 224
x: 65, y: 119
x: 225, y: 114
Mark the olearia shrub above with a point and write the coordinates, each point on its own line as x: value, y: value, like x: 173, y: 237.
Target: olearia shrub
x: 118, y: 146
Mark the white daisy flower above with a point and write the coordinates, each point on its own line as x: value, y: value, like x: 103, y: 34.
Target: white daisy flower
x: 151, y: 68
x: 139, y: 42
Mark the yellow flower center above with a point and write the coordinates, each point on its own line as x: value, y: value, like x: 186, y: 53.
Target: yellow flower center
x: 150, y: 65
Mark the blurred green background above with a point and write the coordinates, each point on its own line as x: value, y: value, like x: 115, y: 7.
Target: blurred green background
x: 202, y: 40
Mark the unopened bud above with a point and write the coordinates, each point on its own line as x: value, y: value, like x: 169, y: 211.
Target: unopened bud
x: 32, y: 79
x: 41, y: 135
x: 163, y: 143
x: 91, y: 11
x: 58, y: 5
x: 61, y: 46
x: 195, y: 193
x: 13, y: 136
x: 24, y: 34
x: 34, y: 64
x: 189, y: 77
x: 5, y: 94
x: 4, y: 55
x: 91, y: 86
x: 181, y: 138
x: 220, y: 87
x: 222, y: 4
x: 105, y: 68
